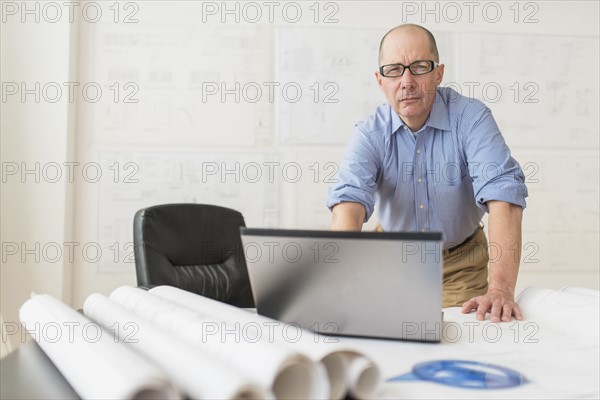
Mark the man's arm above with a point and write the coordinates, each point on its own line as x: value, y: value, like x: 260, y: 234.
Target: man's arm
x: 348, y: 216
x: 505, y: 233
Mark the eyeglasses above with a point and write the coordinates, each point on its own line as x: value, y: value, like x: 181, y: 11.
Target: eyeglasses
x: 419, y: 67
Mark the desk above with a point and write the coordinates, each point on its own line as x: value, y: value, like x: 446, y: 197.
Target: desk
x: 557, y: 350
x: 556, y: 365
x: 27, y: 373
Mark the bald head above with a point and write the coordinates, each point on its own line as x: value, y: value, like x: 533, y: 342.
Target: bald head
x: 410, y: 27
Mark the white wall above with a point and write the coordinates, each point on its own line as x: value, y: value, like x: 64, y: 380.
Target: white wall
x: 165, y: 146
x: 34, y: 135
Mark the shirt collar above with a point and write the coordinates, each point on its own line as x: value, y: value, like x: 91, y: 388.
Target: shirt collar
x: 396, y: 121
x: 438, y: 117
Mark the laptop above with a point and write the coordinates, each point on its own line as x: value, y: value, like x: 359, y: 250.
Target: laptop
x: 365, y: 284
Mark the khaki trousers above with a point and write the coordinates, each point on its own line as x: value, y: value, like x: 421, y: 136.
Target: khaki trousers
x: 465, y: 270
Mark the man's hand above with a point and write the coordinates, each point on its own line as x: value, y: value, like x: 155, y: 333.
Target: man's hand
x: 499, y: 303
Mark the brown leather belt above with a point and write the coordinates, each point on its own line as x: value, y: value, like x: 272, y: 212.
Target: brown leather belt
x: 450, y: 250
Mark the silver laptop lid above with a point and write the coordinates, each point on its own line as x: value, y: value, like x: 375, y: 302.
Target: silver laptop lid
x: 368, y: 284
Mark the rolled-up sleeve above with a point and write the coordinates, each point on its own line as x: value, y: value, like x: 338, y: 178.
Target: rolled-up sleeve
x: 495, y: 173
x: 357, y: 176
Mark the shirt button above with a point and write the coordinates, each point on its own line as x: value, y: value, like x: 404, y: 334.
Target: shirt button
x: 423, y: 230
x: 421, y: 206
x: 420, y: 180
x: 418, y: 151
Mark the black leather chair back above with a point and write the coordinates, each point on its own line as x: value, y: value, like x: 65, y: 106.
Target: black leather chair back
x: 195, y: 247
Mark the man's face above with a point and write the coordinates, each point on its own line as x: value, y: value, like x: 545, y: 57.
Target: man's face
x: 410, y: 96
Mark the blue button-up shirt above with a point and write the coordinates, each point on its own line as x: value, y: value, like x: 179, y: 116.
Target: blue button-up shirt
x: 437, y: 179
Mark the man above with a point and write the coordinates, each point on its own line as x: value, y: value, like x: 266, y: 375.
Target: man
x: 434, y: 160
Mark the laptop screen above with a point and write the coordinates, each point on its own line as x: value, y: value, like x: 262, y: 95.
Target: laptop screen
x: 375, y: 284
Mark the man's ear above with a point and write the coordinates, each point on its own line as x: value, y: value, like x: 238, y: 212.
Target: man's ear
x: 440, y: 74
x: 378, y: 77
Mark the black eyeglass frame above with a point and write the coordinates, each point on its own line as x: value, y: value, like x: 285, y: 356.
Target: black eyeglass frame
x: 434, y: 65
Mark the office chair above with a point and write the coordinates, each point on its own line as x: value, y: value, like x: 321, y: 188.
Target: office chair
x: 195, y: 247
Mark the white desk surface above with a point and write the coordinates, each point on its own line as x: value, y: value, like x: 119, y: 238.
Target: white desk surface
x: 556, y: 348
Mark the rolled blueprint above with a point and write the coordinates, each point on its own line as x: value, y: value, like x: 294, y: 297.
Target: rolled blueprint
x: 348, y: 370
x: 287, y: 373
x: 199, y: 374
x: 88, y: 357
